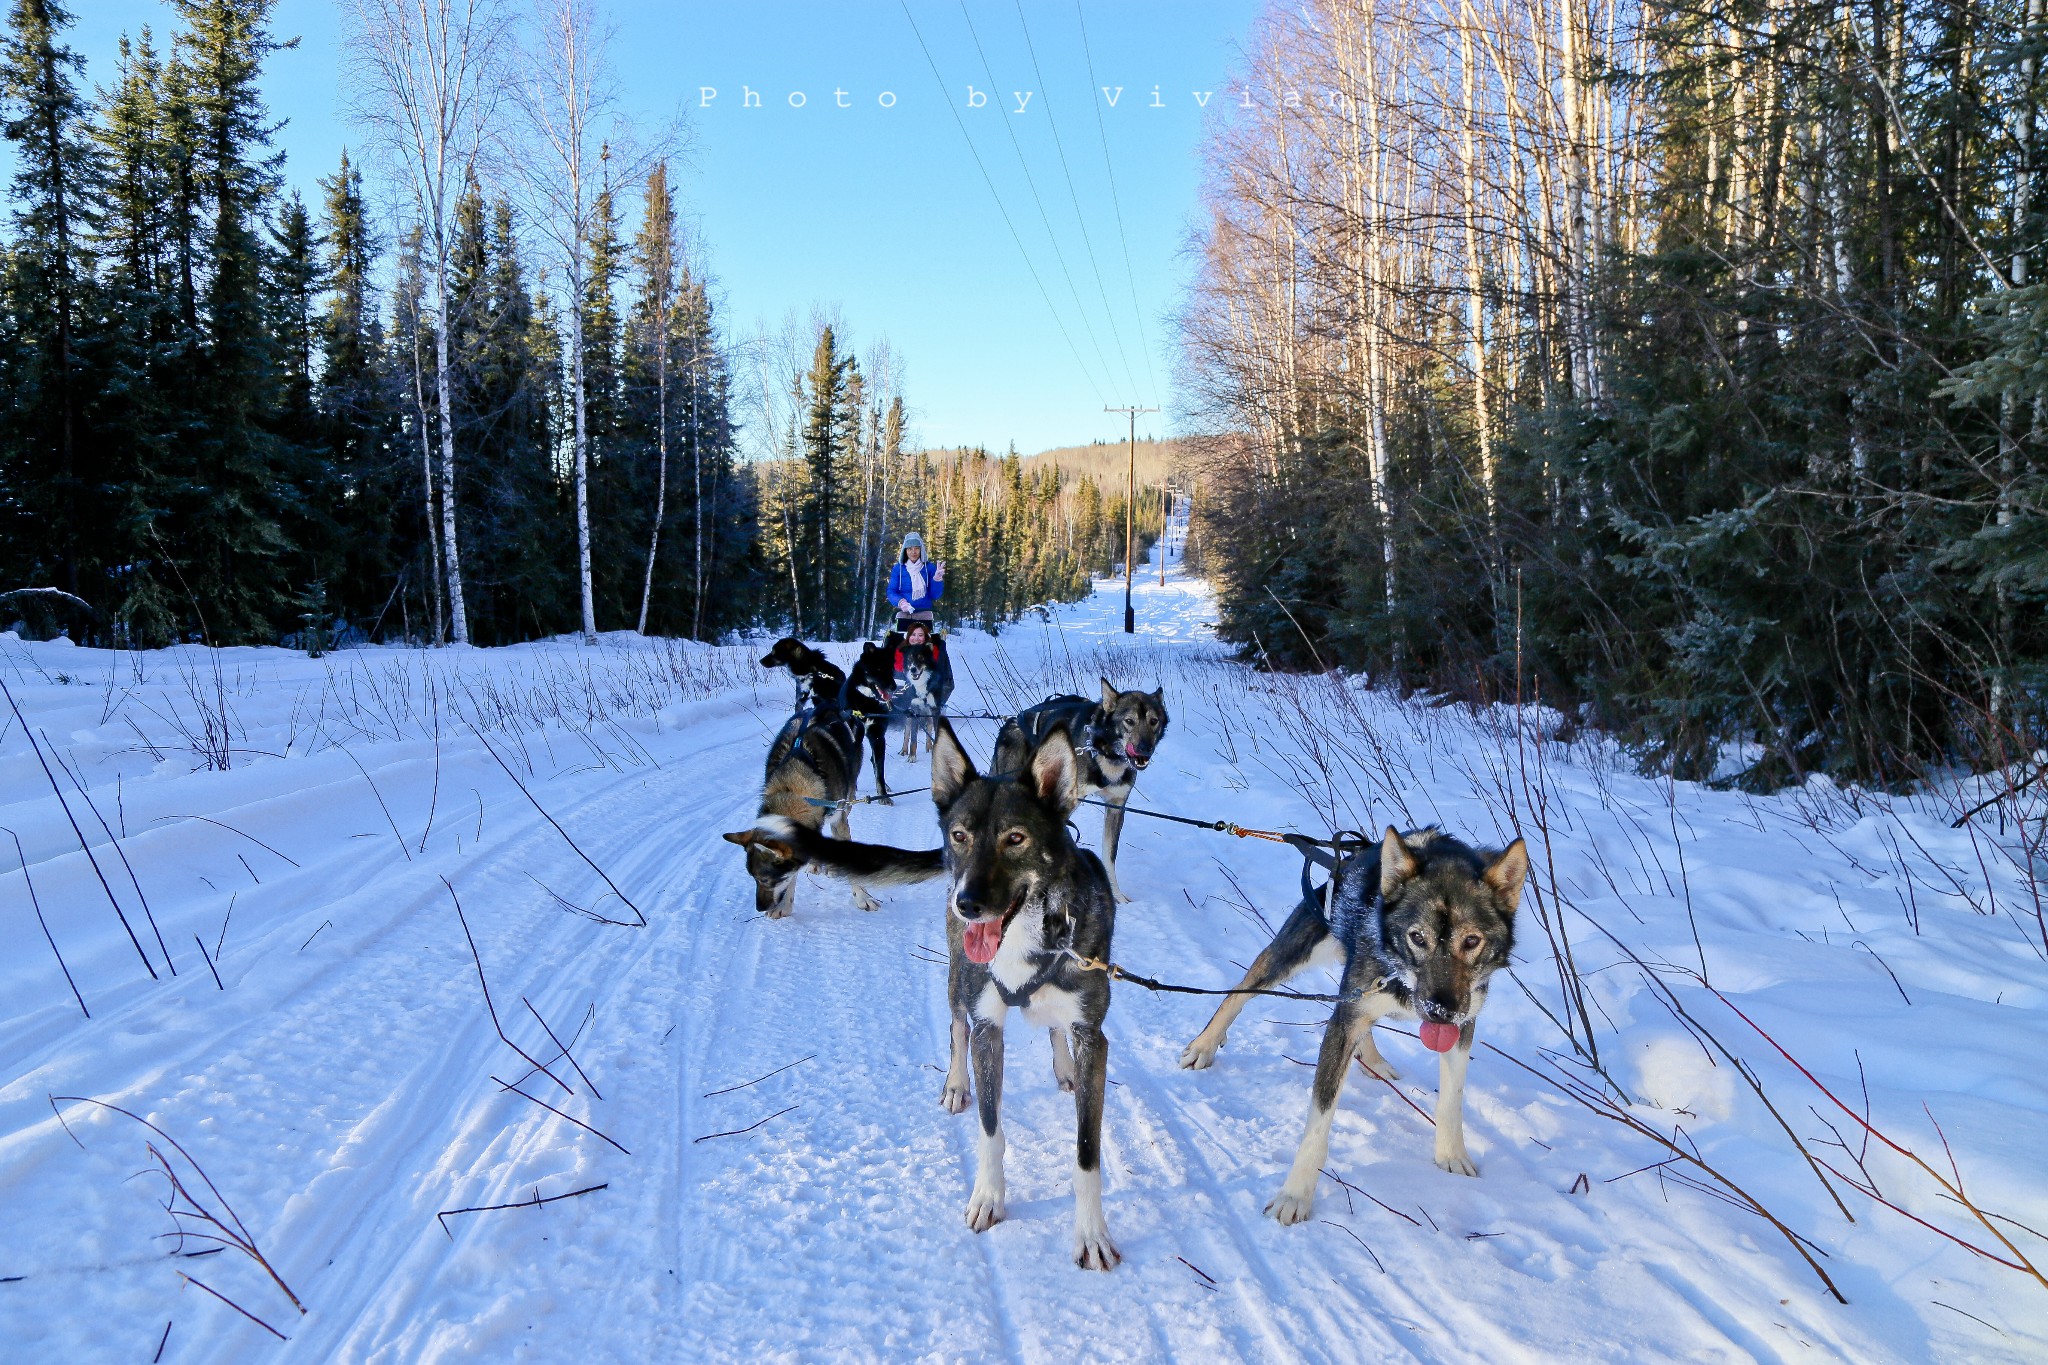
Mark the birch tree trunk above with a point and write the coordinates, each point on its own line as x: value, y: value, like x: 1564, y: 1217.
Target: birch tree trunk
x: 428, y: 71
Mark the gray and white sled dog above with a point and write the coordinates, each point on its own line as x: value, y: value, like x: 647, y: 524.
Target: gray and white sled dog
x: 1025, y: 906
x: 1115, y: 738
x: 917, y: 702
x: 1418, y: 924
x: 815, y: 757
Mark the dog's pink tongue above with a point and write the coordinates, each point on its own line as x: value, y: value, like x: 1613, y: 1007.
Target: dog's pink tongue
x: 982, y: 939
x: 1439, y: 1037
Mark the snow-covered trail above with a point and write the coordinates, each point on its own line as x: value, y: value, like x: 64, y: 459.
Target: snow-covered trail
x: 338, y: 1087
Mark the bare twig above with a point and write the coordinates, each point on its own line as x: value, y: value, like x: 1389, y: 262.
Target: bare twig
x: 58, y: 792
x: 119, y: 852
x: 445, y: 1214
x: 230, y: 1303
x: 490, y: 1005
x: 380, y: 802
x: 758, y: 1079
x: 1356, y: 1238
x: 748, y: 1129
x: 563, y: 832
x: 562, y: 1045
x: 222, y: 824
x: 201, y: 946
x: 552, y: 1110
x: 182, y: 1204
x: 36, y: 901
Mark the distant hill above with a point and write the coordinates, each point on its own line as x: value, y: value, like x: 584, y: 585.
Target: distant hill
x: 1105, y: 462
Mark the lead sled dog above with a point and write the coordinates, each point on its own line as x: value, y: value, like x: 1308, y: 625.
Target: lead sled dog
x: 1417, y: 924
x: 1025, y: 908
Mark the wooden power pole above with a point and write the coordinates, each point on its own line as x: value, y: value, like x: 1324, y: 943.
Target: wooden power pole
x: 1130, y: 516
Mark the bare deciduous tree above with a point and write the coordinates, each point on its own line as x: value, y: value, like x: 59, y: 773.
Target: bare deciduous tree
x: 425, y: 75
x: 570, y: 141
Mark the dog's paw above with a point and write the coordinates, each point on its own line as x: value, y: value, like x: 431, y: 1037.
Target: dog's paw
x: 954, y: 1099
x: 1121, y: 898
x: 1198, y: 1055
x: 1093, y: 1250
x: 984, y: 1209
x: 1457, y: 1162
x: 1378, y: 1066
x: 865, y: 901
x: 885, y: 800
x: 1288, y: 1208
x: 1064, y: 1079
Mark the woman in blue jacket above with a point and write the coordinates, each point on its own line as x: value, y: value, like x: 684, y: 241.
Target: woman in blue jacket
x: 915, y: 583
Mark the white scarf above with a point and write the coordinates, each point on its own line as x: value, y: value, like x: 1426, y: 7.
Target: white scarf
x: 916, y: 568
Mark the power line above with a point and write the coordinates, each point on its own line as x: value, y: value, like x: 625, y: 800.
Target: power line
x: 1045, y: 92
x: 1032, y: 184
x: 1007, y: 221
x: 1144, y: 344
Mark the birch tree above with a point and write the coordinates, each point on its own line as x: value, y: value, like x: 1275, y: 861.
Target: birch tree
x: 426, y: 74
x: 570, y: 137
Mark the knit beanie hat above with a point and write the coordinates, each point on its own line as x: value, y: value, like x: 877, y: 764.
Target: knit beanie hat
x: 913, y: 539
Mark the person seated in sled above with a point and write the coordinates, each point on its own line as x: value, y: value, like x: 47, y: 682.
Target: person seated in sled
x: 915, y: 584
x: 920, y: 633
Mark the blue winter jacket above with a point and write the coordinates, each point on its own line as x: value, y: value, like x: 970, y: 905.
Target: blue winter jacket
x: 899, y: 587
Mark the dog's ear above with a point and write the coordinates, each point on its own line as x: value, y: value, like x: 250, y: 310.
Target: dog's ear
x: 1109, y: 695
x: 1398, y: 863
x: 952, y: 769
x: 1506, y: 874
x: 742, y: 837
x: 1056, y: 773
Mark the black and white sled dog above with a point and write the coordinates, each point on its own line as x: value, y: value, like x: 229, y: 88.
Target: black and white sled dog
x: 1115, y: 738
x: 1418, y: 923
x: 1026, y: 906
x: 917, y: 702
x: 819, y: 681
x: 826, y: 687
x: 815, y: 758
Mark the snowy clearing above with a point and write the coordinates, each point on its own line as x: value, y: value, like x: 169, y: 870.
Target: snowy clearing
x: 793, y: 1188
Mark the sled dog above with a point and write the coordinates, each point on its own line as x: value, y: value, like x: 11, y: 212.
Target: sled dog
x: 815, y: 756
x: 1418, y: 924
x: 825, y: 686
x: 1115, y: 738
x: 1025, y: 905
x: 819, y: 681
x: 917, y: 702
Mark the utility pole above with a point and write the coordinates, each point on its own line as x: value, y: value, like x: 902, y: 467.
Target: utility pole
x: 1165, y: 528
x: 1130, y: 516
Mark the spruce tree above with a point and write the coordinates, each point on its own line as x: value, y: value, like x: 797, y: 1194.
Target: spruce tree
x: 49, y: 287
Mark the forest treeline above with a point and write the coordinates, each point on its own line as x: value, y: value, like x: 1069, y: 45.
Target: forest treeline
x: 1684, y: 365
x: 507, y: 410
x: 837, y: 502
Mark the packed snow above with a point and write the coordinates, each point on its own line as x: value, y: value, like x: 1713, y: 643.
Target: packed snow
x: 775, y: 1177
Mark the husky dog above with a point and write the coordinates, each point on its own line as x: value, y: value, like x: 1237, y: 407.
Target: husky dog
x: 824, y: 686
x: 1115, y: 738
x: 1418, y: 924
x: 815, y: 757
x: 1026, y: 907
x: 819, y: 681
x: 918, y: 703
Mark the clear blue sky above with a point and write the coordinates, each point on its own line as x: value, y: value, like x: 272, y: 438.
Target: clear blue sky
x: 882, y: 212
